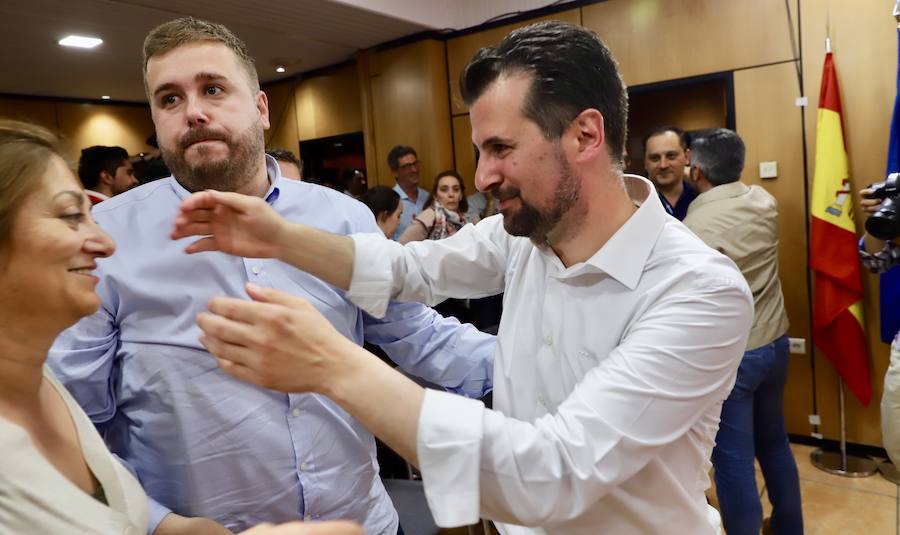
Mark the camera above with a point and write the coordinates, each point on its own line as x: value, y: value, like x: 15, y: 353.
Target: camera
x: 885, y: 223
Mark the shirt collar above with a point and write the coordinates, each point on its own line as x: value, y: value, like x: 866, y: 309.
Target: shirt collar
x: 96, y: 194
x: 625, y: 254
x: 399, y: 190
x: 725, y: 191
x: 272, y: 171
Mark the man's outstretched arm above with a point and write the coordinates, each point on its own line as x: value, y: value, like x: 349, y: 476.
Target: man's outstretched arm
x: 247, y: 226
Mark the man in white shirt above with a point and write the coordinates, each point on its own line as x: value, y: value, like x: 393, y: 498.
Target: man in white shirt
x: 621, y: 333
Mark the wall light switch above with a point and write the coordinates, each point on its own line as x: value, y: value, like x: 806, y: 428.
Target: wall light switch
x: 768, y: 169
x: 797, y: 345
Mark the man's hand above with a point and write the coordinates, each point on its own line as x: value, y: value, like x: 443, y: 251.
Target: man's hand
x: 173, y: 524
x: 306, y: 528
x: 869, y: 206
x: 230, y: 222
x: 276, y: 341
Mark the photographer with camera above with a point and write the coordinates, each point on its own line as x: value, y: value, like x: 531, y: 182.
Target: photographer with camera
x: 879, y: 251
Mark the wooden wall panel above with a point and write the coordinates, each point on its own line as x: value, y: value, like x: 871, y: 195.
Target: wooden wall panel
x: 83, y: 125
x: 461, y: 49
x: 864, y: 42
x: 770, y: 125
x: 41, y: 112
x: 658, y: 40
x: 329, y: 104
x: 410, y: 107
x: 282, y: 132
x: 463, y: 151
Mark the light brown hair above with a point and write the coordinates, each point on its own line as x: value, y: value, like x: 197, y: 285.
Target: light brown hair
x: 25, y: 153
x: 175, y: 33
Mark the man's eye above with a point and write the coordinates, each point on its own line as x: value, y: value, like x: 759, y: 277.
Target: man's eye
x: 213, y: 90
x: 169, y: 100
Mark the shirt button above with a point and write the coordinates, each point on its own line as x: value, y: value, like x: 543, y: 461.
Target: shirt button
x: 295, y: 412
x: 541, y: 400
x: 308, y: 518
x: 255, y: 270
x: 583, y: 354
x: 303, y: 467
x: 548, y: 340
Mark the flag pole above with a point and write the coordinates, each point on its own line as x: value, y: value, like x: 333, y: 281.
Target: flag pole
x: 840, y: 463
x: 886, y: 468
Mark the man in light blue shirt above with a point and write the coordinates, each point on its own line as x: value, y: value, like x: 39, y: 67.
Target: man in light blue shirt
x: 201, y: 443
x: 404, y: 163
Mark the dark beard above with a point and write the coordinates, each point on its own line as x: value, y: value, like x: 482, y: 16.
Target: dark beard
x: 533, y: 223
x: 227, y: 174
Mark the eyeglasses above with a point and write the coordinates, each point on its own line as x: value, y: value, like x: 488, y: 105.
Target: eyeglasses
x: 409, y: 166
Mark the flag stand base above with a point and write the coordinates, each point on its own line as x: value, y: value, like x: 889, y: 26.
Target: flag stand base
x: 842, y: 465
x: 889, y: 472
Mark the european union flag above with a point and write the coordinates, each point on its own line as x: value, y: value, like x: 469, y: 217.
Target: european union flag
x: 890, y: 281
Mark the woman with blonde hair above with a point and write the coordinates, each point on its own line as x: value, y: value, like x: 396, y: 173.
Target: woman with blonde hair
x: 56, y: 475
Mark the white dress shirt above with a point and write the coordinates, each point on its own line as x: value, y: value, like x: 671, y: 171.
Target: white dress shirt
x: 608, y: 379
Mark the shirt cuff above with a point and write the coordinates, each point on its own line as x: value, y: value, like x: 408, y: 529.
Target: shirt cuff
x: 157, y: 513
x: 370, y: 286
x: 449, y: 448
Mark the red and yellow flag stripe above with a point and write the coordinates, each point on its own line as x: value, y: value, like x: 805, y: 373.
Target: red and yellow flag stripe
x: 837, y: 302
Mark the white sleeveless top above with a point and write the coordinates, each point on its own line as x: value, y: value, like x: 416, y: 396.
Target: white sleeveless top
x: 36, y: 499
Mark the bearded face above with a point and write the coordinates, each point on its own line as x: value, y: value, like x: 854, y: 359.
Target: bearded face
x: 535, y: 222
x: 198, y: 163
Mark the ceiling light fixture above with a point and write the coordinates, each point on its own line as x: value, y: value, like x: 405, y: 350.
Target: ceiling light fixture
x: 279, y: 69
x: 105, y: 97
x: 80, y: 41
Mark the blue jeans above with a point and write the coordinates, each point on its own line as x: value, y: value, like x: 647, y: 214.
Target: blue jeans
x: 753, y: 426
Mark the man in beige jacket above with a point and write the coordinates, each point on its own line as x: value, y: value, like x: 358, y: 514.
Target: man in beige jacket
x: 741, y: 222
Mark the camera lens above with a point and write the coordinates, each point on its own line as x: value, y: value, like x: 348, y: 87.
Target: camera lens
x: 885, y: 223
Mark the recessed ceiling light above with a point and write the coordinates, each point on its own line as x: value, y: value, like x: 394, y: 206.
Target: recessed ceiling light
x: 80, y: 41
x: 279, y: 69
x: 105, y: 97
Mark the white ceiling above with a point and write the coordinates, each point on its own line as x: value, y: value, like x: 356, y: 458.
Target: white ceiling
x: 300, y: 34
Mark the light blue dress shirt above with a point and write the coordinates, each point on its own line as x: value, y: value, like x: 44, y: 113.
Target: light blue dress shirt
x: 410, y: 209
x: 203, y: 443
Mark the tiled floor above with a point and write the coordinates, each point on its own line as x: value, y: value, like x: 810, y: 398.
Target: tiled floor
x: 835, y: 505
x: 832, y: 505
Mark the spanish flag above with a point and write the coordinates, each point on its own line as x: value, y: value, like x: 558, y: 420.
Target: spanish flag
x: 837, y: 301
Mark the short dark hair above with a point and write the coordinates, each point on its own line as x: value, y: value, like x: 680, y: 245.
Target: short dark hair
x: 186, y: 30
x: 463, y: 202
x: 719, y: 153
x: 284, y: 155
x: 571, y: 70
x: 659, y: 130
x: 381, y: 199
x: 398, y: 152
x: 99, y: 158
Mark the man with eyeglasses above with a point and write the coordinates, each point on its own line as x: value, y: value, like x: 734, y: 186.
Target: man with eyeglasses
x: 404, y: 163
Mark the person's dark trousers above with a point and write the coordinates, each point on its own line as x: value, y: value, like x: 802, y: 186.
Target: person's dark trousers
x: 399, y: 529
x: 752, y: 425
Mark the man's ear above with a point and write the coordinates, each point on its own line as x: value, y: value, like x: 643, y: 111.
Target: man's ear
x: 687, y: 154
x: 589, y: 134
x: 262, y: 106
x: 106, y: 178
